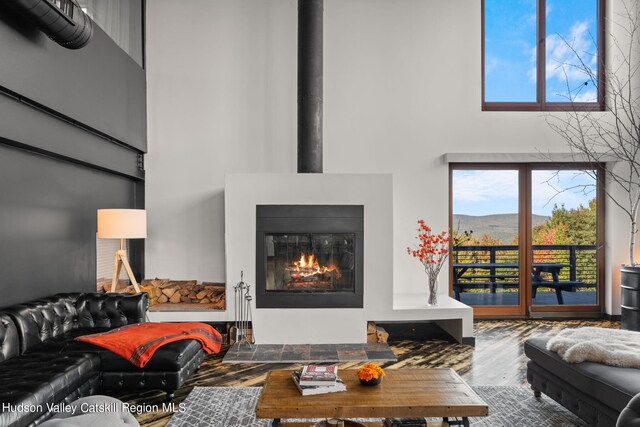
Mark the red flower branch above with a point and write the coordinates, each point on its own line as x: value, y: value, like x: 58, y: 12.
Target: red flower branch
x: 432, y: 250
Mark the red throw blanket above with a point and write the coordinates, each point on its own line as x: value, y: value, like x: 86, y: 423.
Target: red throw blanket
x: 138, y: 342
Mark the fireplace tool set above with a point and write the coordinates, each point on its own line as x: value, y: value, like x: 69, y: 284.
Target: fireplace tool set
x: 243, y: 319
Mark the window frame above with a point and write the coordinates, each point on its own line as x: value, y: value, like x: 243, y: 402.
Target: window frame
x: 541, y: 81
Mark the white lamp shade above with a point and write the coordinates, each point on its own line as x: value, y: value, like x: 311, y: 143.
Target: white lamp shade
x: 122, y: 224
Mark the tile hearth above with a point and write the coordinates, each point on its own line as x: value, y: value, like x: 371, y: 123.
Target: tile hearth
x: 302, y: 353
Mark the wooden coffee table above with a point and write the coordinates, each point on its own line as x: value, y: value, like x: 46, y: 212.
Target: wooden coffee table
x: 403, y: 393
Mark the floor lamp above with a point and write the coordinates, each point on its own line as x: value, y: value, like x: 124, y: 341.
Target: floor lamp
x: 122, y: 224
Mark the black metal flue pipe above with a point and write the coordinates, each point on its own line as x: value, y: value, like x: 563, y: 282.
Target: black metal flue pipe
x: 310, y: 85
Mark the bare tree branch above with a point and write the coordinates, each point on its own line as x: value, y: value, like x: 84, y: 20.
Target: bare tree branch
x: 612, y: 136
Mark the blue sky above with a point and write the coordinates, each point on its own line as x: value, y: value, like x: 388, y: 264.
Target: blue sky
x: 486, y: 192
x: 510, y: 49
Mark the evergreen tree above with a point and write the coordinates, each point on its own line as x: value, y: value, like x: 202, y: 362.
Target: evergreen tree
x: 568, y: 226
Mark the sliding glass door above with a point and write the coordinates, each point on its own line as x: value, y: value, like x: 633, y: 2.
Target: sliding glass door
x: 565, y: 234
x: 486, y: 223
x: 526, y: 238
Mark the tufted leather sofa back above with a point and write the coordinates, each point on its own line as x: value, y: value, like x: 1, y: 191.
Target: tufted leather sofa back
x: 9, y: 341
x: 40, y: 320
x: 111, y: 310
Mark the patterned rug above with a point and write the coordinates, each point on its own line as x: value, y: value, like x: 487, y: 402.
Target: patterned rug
x: 220, y: 406
x: 508, y: 407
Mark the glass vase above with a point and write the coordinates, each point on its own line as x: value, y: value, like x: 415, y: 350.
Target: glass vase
x: 433, y: 291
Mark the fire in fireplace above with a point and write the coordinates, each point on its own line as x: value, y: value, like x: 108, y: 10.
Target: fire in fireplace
x: 309, y: 256
x: 306, y: 273
x: 310, y: 262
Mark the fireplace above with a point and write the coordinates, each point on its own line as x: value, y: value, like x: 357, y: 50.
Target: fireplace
x: 309, y: 256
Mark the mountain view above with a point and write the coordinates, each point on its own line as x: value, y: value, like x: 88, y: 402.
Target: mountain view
x: 503, y: 227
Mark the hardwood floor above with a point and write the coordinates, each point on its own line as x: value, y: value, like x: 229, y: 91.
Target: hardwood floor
x: 497, y: 359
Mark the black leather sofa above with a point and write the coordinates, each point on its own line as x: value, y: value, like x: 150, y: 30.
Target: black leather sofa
x: 40, y: 362
x: 595, y: 392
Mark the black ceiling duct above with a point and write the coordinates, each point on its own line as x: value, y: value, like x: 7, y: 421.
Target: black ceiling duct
x: 62, y: 20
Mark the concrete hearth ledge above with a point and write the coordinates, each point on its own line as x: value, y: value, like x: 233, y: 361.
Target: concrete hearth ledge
x: 450, y: 314
x: 419, y: 302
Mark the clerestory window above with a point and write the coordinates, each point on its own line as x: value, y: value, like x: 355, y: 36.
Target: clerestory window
x: 542, y: 55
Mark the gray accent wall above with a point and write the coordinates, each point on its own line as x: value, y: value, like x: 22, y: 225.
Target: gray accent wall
x: 47, y: 223
x: 72, y: 140
x: 99, y: 85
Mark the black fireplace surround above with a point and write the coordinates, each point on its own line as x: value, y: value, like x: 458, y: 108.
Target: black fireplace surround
x: 309, y: 256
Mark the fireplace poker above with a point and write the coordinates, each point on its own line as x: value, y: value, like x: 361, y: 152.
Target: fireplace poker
x: 243, y: 315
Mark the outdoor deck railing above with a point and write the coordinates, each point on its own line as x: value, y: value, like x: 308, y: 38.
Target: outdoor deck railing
x: 580, y: 261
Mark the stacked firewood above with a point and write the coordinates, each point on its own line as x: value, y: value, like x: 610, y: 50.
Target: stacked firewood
x: 376, y: 333
x: 187, y: 292
x: 167, y: 291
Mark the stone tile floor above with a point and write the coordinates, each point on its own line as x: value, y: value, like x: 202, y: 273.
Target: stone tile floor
x: 302, y: 353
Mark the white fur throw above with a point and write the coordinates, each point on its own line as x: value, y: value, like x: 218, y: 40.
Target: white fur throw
x: 608, y: 346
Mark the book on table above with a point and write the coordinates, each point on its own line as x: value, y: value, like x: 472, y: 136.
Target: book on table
x: 311, y: 390
x: 319, y: 375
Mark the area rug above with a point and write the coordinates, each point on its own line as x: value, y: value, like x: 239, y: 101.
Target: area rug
x: 219, y: 406
x: 508, y: 407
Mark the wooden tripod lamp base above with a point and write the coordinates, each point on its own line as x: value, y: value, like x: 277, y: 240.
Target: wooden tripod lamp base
x: 122, y: 261
x: 122, y: 224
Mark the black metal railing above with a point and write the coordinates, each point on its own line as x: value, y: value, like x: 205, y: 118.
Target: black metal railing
x: 579, y: 259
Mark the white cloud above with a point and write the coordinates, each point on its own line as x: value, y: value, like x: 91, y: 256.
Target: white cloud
x: 561, y: 56
x: 578, y: 96
x: 482, y: 186
x: 491, y: 63
x: 533, y: 54
x: 491, y: 189
x: 566, y: 75
x: 550, y: 187
x: 588, y: 96
x: 533, y: 59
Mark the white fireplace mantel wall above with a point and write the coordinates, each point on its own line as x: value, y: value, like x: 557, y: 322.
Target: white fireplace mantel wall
x: 244, y: 191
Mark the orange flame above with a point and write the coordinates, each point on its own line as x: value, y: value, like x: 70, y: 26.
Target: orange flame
x: 308, y: 266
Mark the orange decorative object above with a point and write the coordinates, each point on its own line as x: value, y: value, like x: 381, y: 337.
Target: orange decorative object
x: 370, y: 371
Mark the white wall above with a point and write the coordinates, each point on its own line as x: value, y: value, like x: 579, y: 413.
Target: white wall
x: 221, y: 78
x: 402, y: 87
x: 105, y: 251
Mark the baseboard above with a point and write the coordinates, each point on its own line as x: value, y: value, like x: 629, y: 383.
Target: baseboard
x: 613, y: 317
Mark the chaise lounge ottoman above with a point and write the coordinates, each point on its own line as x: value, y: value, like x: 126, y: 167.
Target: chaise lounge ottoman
x: 595, y: 392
